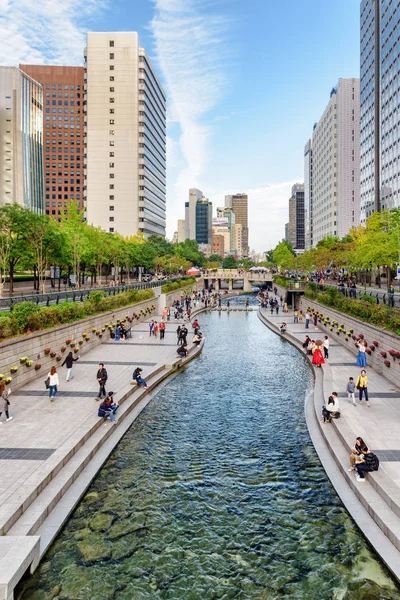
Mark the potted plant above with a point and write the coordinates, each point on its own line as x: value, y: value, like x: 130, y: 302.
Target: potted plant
x: 383, y: 354
x: 72, y: 344
x: 368, y: 350
x: 14, y: 369
x: 80, y: 342
x: 38, y: 366
x: 53, y: 354
x: 387, y: 363
x: 76, y: 349
x: 68, y: 342
x: 376, y: 344
x: 8, y: 380
x: 47, y: 351
x: 1, y: 376
x: 29, y: 363
x: 23, y: 360
x: 58, y: 358
x: 63, y: 348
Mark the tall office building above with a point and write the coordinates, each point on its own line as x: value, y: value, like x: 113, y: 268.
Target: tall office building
x: 21, y: 134
x: 125, y: 136
x: 296, y: 230
x: 227, y: 213
x: 237, y: 239
x: 181, y: 230
x: 190, y: 213
x: 240, y: 208
x: 220, y: 227
x: 228, y: 201
x: 204, y: 221
x: 379, y: 98
x: 308, y: 174
x: 336, y: 164
x: 63, y: 134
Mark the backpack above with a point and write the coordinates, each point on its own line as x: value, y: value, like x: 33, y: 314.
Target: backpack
x: 373, y: 461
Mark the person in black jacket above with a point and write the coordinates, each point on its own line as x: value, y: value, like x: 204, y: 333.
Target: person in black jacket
x: 369, y: 462
x: 182, y: 350
x: 184, y: 333
x: 138, y: 378
x: 102, y: 378
x: 69, y: 361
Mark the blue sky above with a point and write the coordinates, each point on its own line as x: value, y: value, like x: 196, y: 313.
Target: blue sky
x: 245, y: 82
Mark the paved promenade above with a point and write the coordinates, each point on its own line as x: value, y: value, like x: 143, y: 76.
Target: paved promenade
x: 378, y: 425
x: 41, y: 431
x: 374, y: 505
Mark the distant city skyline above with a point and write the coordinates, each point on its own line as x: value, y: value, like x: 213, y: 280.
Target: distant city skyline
x: 233, y: 120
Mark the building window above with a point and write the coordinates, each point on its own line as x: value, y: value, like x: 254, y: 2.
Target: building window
x: 111, y: 165
x: 111, y: 230
x: 111, y: 154
x: 111, y: 175
x: 111, y: 55
x: 111, y: 100
x: 112, y: 111
x: 111, y: 186
x: 111, y: 77
x: 112, y: 89
x: 112, y: 122
x: 111, y: 219
x: 111, y: 132
x: 111, y: 67
x: 111, y: 43
x: 111, y: 143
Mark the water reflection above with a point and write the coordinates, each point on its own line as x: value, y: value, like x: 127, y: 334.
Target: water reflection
x: 216, y: 492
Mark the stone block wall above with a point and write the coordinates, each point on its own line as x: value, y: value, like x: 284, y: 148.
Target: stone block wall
x: 386, y: 340
x: 33, y: 345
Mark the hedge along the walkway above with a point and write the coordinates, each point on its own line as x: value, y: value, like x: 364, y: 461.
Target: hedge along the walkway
x: 375, y: 314
x: 27, y: 317
x: 171, y: 286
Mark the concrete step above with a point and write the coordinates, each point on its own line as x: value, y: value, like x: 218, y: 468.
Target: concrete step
x: 43, y: 476
x: 379, y: 495
x: 131, y: 396
x: 33, y: 517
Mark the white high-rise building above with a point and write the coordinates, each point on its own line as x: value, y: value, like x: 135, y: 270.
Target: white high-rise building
x: 21, y: 134
x: 125, y: 136
x: 220, y: 227
x: 181, y: 230
x: 308, y: 189
x: 190, y: 213
x: 336, y: 164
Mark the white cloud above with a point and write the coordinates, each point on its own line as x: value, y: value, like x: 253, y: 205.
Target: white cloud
x: 44, y: 31
x: 189, y: 47
x: 268, y: 213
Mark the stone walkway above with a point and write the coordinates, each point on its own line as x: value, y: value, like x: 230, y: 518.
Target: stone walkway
x: 40, y: 429
x: 378, y: 425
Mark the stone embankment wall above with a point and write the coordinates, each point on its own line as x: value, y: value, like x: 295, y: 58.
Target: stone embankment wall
x: 386, y: 340
x: 33, y: 345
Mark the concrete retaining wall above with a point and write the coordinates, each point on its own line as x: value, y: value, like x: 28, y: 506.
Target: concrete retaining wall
x: 386, y: 340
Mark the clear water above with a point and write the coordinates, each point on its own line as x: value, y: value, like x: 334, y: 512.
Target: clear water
x: 216, y: 492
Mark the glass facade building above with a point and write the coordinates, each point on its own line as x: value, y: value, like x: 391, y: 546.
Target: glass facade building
x: 21, y: 128
x: 379, y: 100
x: 203, y: 221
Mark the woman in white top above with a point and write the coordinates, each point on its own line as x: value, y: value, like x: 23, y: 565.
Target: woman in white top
x: 54, y: 382
x: 331, y: 408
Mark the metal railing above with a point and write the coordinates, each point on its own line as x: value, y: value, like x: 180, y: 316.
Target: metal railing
x: 380, y: 297
x: 76, y: 295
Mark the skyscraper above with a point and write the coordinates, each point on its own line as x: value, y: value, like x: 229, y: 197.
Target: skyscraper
x: 204, y: 221
x: 308, y: 174
x: 63, y: 134
x: 296, y: 230
x: 126, y: 136
x: 379, y: 98
x: 336, y: 164
x: 240, y: 208
x: 21, y: 133
x: 227, y: 213
x: 181, y: 230
x: 190, y: 213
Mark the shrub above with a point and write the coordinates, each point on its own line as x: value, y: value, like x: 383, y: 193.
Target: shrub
x: 96, y: 297
x: 21, y: 313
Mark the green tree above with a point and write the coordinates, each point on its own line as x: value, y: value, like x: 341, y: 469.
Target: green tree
x: 230, y: 262
x: 283, y: 255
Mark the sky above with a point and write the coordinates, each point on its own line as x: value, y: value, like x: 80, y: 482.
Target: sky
x: 245, y: 82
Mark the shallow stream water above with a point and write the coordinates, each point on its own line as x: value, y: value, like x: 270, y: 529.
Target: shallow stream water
x: 216, y: 492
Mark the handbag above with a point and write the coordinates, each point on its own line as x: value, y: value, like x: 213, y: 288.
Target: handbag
x: 47, y: 383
